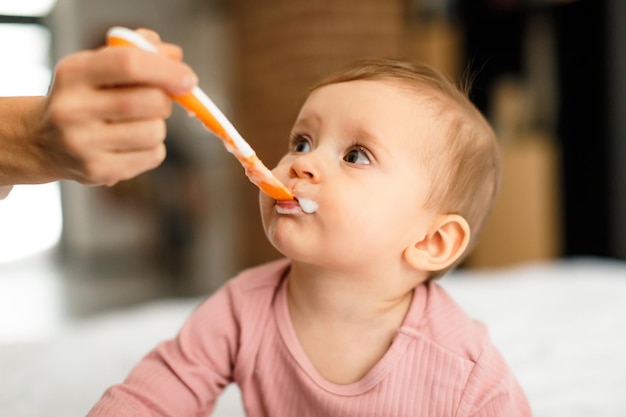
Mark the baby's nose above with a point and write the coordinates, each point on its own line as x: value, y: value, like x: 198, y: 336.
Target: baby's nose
x: 305, y: 167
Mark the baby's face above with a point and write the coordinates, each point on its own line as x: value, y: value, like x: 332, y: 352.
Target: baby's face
x: 355, y: 150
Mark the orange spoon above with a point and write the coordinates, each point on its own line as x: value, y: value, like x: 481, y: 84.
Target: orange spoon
x: 200, y: 105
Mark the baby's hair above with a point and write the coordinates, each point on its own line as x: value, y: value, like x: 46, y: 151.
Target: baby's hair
x: 464, y: 162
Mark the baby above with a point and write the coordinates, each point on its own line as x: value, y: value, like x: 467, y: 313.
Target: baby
x: 401, y: 170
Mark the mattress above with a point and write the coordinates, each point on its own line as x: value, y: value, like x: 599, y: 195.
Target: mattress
x: 560, y: 325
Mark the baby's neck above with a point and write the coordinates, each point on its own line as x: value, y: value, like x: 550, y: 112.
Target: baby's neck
x: 342, y: 298
x: 363, y: 295
x: 345, y: 324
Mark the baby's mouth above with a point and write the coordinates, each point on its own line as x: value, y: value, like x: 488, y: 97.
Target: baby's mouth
x: 299, y: 205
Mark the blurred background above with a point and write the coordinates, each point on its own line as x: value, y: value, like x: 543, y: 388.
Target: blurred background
x: 548, y: 74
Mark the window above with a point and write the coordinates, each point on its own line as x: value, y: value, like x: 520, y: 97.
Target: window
x: 30, y: 217
x: 28, y: 8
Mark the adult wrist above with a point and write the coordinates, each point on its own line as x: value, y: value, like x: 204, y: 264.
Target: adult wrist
x: 22, y: 160
x: 5, y: 190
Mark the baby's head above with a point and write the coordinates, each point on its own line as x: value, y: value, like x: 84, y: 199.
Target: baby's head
x: 463, y: 159
x: 403, y: 167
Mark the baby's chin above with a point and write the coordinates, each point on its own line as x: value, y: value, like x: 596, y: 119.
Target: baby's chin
x: 287, y: 238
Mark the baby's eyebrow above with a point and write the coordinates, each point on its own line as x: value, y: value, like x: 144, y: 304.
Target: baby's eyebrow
x: 369, y: 139
x: 361, y: 133
x: 307, y: 122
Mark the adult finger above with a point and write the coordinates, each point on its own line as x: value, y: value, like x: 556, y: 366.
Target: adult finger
x: 133, y: 66
x: 85, y: 107
x: 131, y: 103
x: 172, y: 51
x: 108, y: 168
x: 130, y: 164
x: 150, y: 35
x: 131, y: 136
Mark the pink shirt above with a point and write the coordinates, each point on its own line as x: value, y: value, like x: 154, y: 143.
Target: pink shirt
x: 441, y: 363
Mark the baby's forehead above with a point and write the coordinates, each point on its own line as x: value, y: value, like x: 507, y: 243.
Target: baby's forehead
x: 385, y: 96
x: 419, y: 94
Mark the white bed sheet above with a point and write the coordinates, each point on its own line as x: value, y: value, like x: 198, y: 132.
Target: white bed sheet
x: 560, y: 325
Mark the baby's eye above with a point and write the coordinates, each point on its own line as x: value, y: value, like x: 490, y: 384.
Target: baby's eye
x: 357, y: 155
x: 300, y: 144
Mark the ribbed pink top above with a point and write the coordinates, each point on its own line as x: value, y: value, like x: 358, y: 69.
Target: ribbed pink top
x: 441, y: 363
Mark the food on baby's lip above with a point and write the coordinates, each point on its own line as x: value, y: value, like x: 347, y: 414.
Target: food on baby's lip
x: 307, y: 206
x: 297, y: 206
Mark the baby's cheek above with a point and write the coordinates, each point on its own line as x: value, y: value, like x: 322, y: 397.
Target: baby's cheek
x: 265, y: 218
x: 267, y: 207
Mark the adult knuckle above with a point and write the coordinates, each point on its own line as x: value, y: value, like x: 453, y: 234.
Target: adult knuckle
x: 163, y: 104
x: 173, y: 51
x: 99, y: 171
x: 153, y: 133
x: 92, y: 170
x: 155, y: 102
x: 127, y: 104
x: 127, y: 62
x: 68, y: 67
x: 159, y: 129
x: 158, y: 155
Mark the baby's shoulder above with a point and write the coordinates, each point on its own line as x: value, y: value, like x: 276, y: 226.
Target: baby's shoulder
x: 448, y: 326
x: 246, y: 299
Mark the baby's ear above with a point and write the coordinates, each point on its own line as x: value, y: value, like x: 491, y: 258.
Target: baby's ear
x: 442, y: 246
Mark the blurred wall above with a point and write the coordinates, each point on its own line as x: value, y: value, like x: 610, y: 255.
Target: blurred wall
x: 616, y: 29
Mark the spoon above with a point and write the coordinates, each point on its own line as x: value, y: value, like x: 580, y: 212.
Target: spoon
x: 202, y: 107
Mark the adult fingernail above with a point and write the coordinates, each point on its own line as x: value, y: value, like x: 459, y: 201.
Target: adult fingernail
x: 187, y: 83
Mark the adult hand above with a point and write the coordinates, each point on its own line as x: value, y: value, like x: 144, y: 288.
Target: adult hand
x: 103, y: 120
